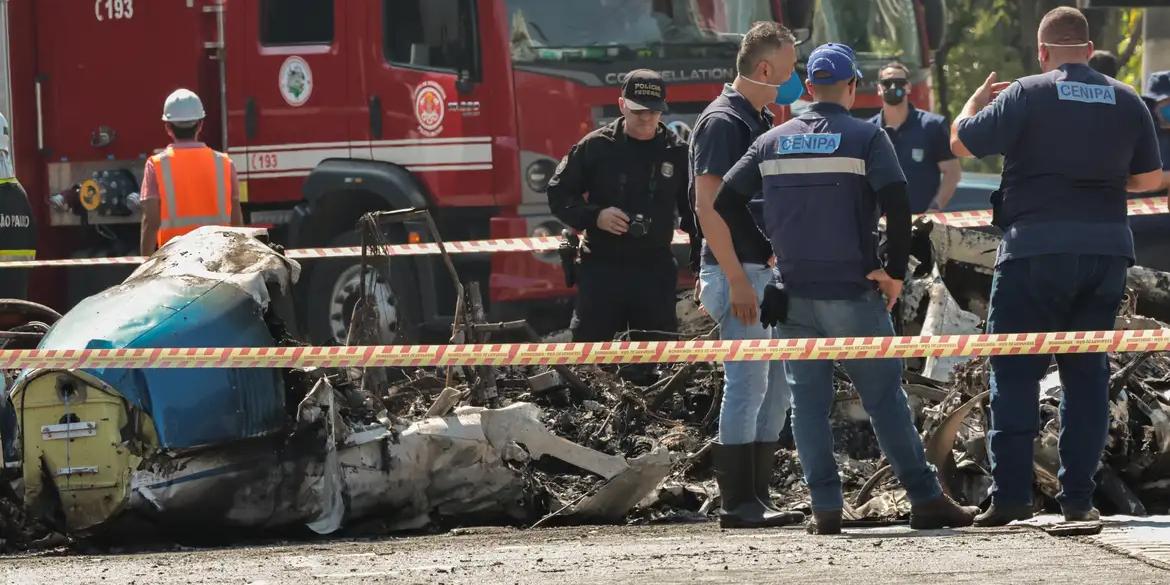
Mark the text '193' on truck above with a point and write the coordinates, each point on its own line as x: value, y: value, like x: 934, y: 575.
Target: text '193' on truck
x: 333, y: 108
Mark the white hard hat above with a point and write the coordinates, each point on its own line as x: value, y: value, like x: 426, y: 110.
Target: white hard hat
x: 183, y: 106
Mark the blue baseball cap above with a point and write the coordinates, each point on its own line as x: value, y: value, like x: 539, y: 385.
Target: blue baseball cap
x: 831, y: 63
x: 1158, y: 86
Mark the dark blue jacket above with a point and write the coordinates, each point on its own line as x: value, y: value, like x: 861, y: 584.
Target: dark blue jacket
x: 820, y: 174
x: 1071, y: 138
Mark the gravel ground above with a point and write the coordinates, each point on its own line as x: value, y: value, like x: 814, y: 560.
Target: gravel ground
x: 693, y: 553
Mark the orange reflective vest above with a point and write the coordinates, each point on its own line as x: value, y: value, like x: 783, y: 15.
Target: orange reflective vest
x: 194, y: 186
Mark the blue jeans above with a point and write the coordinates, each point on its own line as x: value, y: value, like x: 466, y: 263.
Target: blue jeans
x: 755, y: 394
x: 1055, y: 292
x: 878, y: 381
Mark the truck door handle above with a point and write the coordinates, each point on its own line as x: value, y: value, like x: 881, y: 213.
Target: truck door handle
x: 375, y: 117
x: 39, y: 83
x: 251, y: 118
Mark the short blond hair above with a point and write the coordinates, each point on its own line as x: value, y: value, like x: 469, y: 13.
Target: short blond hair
x: 1064, y: 25
x: 762, y: 38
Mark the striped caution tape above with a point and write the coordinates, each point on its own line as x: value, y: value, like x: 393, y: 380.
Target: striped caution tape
x: 538, y: 244
x: 535, y: 354
x: 962, y: 219
x: 982, y: 217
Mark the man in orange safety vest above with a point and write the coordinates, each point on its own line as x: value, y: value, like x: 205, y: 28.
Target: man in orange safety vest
x: 188, y: 185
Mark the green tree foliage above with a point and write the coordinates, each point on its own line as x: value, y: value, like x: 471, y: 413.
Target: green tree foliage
x: 1000, y: 35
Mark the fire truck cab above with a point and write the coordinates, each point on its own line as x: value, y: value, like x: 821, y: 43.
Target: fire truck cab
x: 333, y: 108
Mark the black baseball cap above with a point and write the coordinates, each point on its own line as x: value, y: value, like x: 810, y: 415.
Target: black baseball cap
x: 645, y: 90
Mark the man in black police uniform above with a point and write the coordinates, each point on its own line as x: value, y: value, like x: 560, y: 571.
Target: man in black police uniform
x: 625, y: 185
x: 921, y: 139
x: 1074, y: 142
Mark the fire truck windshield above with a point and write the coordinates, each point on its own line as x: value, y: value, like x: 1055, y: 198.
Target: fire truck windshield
x: 876, y: 29
x: 606, y: 30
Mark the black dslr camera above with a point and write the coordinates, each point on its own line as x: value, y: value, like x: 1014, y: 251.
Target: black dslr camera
x: 639, y: 226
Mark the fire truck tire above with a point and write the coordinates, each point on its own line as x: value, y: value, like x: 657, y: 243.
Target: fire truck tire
x: 334, y: 289
x: 15, y: 312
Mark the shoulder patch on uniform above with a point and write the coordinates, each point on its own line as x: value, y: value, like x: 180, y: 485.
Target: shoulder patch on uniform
x: 1076, y: 91
x: 809, y: 144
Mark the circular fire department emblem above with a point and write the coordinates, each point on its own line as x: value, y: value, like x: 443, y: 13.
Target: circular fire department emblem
x: 296, y: 81
x: 430, y: 107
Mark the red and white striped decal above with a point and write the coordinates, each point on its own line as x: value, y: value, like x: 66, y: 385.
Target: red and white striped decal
x: 533, y: 354
x: 962, y: 219
x: 276, y: 161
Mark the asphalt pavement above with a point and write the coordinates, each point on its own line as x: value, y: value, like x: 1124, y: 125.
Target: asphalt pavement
x: 1130, y: 551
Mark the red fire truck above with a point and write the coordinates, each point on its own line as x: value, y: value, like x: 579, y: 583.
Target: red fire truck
x: 332, y: 108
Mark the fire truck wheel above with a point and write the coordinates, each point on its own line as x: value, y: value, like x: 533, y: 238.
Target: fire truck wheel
x: 14, y: 312
x: 335, y: 288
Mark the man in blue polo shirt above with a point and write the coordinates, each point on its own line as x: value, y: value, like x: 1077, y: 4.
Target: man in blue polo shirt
x: 1157, y: 97
x: 1074, y: 142
x: 921, y: 139
x: 755, y: 394
x: 826, y: 178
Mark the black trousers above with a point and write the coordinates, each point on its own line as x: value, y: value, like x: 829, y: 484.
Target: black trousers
x: 616, y: 295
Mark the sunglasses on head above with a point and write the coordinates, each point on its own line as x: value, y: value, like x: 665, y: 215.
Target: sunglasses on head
x: 898, y: 82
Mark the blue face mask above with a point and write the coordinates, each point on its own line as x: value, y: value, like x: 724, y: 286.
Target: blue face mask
x: 790, y: 91
x: 786, y: 93
x: 1164, y: 113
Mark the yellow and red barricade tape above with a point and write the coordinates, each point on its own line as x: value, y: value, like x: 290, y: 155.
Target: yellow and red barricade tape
x: 535, y: 354
x: 962, y: 219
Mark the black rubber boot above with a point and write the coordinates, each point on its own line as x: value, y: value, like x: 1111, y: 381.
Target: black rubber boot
x: 824, y: 522
x: 1000, y: 515
x: 765, y: 462
x: 941, y: 512
x: 734, y: 471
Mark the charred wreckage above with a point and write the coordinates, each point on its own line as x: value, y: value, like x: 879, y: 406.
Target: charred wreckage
x: 107, y: 451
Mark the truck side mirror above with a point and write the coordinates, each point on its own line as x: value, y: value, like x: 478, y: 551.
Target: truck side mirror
x: 936, y: 22
x: 798, y: 17
x: 798, y: 14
